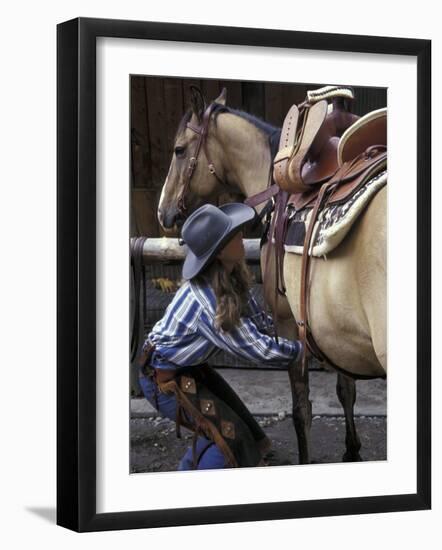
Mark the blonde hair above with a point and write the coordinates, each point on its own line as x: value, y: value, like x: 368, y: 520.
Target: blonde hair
x: 231, y: 292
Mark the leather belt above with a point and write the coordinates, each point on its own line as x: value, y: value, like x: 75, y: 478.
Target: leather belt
x: 160, y: 375
x: 164, y: 375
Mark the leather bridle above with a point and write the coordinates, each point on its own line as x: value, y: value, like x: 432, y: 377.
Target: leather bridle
x: 202, y: 132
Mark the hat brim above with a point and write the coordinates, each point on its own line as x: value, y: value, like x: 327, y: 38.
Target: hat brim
x: 239, y: 214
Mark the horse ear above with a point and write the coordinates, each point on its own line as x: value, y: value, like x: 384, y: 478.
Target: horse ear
x: 197, y: 102
x: 222, y: 97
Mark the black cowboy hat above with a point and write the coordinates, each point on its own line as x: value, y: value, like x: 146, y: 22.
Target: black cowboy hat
x: 208, y: 229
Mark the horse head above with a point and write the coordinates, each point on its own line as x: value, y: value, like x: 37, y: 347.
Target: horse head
x: 196, y: 172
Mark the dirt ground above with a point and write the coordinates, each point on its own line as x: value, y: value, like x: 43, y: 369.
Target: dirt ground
x: 155, y: 447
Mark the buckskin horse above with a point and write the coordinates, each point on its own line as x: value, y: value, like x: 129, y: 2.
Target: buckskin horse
x: 220, y: 151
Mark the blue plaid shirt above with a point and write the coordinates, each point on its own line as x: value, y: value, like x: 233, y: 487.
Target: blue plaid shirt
x: 186, y: 334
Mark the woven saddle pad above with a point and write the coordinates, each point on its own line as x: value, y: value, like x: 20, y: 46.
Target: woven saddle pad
x: 333, y: 222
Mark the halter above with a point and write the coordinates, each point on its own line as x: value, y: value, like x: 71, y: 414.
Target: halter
x: 202, y: 131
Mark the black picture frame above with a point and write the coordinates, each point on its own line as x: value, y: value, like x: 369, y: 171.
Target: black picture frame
x: 76, y: 273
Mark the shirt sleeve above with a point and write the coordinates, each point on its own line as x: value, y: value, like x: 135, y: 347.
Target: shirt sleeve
x: 263, y: 321
x: 248, y: 342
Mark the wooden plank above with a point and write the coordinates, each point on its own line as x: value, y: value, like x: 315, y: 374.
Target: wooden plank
x: 140, y: 147
x: 292, y: 94
x: 253, y: 98
x: 297, y: 93
x: 132, y: 223
x: 274, y: 111
x: 144, y: 212
x: 369, y: 99
x: 157, y: 136
x: 234, y: 93
x: 173, y: 100
x: 211, y: 90
x: 187, y: 82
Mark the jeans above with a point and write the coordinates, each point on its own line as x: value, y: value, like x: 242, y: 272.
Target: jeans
x: 208, y: 454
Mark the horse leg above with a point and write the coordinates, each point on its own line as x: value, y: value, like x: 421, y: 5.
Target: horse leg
x: 287, y: 328
x: 346, y: 390
x: 301, y: 409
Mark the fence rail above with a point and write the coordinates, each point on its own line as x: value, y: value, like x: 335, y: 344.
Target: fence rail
x: 167, y: 249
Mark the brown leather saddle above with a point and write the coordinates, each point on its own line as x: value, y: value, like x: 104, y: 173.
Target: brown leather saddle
x: 309, y: 139
x: 359, y: 153
x: 326, y: 154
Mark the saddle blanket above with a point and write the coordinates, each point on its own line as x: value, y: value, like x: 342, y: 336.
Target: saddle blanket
x: 333, y: 222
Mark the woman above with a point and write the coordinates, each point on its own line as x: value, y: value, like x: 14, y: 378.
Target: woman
x: 213, y: 309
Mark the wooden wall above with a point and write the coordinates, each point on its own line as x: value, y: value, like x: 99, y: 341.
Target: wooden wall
x: 157, y: 105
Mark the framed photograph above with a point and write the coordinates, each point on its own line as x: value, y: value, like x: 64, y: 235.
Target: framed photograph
x: 137, y: 102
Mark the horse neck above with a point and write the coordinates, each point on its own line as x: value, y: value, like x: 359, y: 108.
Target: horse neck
x: 247, y: 156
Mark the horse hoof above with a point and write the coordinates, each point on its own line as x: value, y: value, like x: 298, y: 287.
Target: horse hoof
x: 349, y: 457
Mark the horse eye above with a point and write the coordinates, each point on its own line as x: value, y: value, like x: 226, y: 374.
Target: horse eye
x: 179, y: 151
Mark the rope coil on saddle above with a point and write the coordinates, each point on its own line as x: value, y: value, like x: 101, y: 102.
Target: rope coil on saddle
x: 328, y: 92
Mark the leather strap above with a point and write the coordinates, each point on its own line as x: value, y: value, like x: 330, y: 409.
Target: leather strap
x: 202, y: 131
x: 305, y: 264
x: 281, y: 220
x: 275, y: 242
x: 139, y: 285
x: 164, y: 375
x: 265, y: 195
x: 287, y: 147
x: 266, y: 274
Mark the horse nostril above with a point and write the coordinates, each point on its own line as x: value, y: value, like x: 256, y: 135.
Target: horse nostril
x: 179, y: 220
x: 169, y: 218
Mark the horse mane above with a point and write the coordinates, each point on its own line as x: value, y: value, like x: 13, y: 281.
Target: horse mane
x: 272, y: 132
x: 261, y: 124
